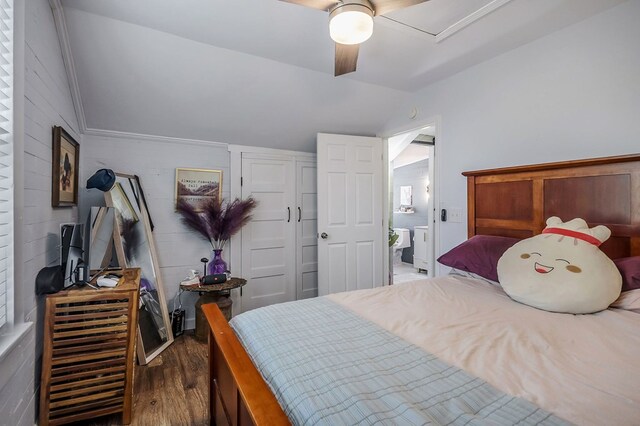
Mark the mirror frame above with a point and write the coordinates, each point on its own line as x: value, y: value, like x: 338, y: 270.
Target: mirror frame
x: 143, y: 357
x: 99, y: 220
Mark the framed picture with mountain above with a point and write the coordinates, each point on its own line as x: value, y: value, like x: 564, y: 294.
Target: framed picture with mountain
x: 198, y: 185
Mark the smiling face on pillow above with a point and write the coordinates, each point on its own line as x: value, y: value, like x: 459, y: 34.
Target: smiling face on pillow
x: 562, y: 269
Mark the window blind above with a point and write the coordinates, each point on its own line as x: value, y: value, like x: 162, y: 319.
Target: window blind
x: 6, y: 157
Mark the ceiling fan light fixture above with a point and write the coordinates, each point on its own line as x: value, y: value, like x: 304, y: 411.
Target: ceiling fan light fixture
x: 351, y: 23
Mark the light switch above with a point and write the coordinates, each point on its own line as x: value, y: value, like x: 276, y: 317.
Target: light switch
x: 455, y: 215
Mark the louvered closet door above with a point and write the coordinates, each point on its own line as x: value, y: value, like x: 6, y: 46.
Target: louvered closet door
x: 268, y: 241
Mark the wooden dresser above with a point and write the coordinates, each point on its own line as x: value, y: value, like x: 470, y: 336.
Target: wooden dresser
x: 88, y: 355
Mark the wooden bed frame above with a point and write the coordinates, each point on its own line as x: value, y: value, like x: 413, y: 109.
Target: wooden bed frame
x: 513, y: 201
x: 516, y: 201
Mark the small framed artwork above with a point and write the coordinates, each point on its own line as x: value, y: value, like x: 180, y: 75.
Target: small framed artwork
x: 198, y: 185
x: 66, y: 160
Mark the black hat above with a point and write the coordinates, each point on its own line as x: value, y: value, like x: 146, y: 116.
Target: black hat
x: 103, y: 180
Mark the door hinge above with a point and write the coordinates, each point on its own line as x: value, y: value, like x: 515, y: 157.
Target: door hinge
x: 241, y: 181
x: 240, y: 291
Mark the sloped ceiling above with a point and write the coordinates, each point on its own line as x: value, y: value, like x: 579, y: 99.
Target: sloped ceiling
x: 411, y: 154
x: 260, y: 72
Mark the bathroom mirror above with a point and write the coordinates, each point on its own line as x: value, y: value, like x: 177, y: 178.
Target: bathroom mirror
x: 406, y: 198
x: 135, y: 248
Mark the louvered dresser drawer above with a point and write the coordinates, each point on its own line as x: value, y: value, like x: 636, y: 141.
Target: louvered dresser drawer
x: 88, y: 355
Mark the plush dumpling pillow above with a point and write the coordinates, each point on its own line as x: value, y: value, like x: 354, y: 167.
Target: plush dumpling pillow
x: 562, y: 269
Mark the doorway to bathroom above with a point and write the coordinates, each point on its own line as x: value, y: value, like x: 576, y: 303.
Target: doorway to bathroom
x: 411, y: 180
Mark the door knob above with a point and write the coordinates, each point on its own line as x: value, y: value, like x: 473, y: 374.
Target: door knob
x: 324, y: 236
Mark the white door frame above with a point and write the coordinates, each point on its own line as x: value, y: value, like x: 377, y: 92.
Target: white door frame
x: 435, y: 121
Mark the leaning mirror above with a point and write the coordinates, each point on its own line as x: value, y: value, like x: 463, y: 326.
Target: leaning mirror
x: 101, y: 232
x: 135, y: 248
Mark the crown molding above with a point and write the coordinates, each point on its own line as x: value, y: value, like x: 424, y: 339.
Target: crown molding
x: 248, y: 149
x: 69, y: 65
x: 153, y: 138
x: 67, y: 57
x: 470, y: 19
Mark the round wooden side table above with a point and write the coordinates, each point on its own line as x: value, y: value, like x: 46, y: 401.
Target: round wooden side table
x: 213, y: 293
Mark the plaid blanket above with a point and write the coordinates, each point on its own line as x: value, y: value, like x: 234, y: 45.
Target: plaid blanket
x: 328, y: 366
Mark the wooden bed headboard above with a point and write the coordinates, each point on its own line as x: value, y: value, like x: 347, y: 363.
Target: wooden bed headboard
x: 516, y: 201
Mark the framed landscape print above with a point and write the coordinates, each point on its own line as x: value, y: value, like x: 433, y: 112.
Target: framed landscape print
x: 198, y: 185
x: 66, y: 159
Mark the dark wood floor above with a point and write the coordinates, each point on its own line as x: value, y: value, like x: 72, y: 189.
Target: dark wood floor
x: 171, y: 390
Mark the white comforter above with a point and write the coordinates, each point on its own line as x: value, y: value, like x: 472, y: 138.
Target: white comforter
x: 583, y: 368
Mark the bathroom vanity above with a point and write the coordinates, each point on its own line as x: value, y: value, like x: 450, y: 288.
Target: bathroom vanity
x: 420, y: 248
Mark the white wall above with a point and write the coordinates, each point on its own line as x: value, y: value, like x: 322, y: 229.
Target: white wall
x: 573, y: 94
x: 47, y: 103
x: 155, y: 162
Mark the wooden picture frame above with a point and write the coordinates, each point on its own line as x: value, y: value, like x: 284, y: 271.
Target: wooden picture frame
x: 198, y: 185
x: 65, y: 167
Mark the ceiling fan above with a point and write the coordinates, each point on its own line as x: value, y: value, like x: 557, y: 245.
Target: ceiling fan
x: 351, y: 23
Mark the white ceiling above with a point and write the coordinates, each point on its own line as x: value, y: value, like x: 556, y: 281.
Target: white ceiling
x: 411, y: 154
x: 260, y: 72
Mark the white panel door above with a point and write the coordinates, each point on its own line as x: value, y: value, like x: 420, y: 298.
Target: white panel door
x: 350, y: 224
x: 307, y: 230
x: 268, y: 241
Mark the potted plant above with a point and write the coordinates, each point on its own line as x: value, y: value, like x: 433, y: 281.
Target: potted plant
x: 217, y: 222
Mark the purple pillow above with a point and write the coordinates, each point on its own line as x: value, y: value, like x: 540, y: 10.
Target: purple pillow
x: 630, y: 270
x: 479, y: 254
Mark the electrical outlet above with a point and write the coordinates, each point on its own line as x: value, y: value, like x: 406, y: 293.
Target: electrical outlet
x: 455, y: 215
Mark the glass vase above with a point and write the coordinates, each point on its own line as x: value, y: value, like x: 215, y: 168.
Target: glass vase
x: 216, y: 265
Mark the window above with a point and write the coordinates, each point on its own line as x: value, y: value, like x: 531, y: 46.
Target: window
x: 6, y: 159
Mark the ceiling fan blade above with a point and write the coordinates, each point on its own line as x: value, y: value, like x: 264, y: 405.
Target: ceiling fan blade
x: 346, y: 58
x: 325, y: 5
x: 383, y: 7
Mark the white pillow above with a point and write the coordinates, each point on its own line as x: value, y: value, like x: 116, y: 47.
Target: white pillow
x: 628, y: 300
x: 468, y: 274
x: 562, y: 269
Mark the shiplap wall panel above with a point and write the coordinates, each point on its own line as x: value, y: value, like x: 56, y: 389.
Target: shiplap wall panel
x: 19, y: 383
x: 47, y: 103
x: 155, y: 162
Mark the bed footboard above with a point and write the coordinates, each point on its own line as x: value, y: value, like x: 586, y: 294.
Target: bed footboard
x: 238, y: 395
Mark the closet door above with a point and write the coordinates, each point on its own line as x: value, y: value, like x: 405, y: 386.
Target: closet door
x: 307, y: 229
x: 268, y: 241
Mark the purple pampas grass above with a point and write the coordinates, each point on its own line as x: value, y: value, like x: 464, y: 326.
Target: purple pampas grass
x: 237, y: 214
x: 217, y: 222
x: 192, y: 219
